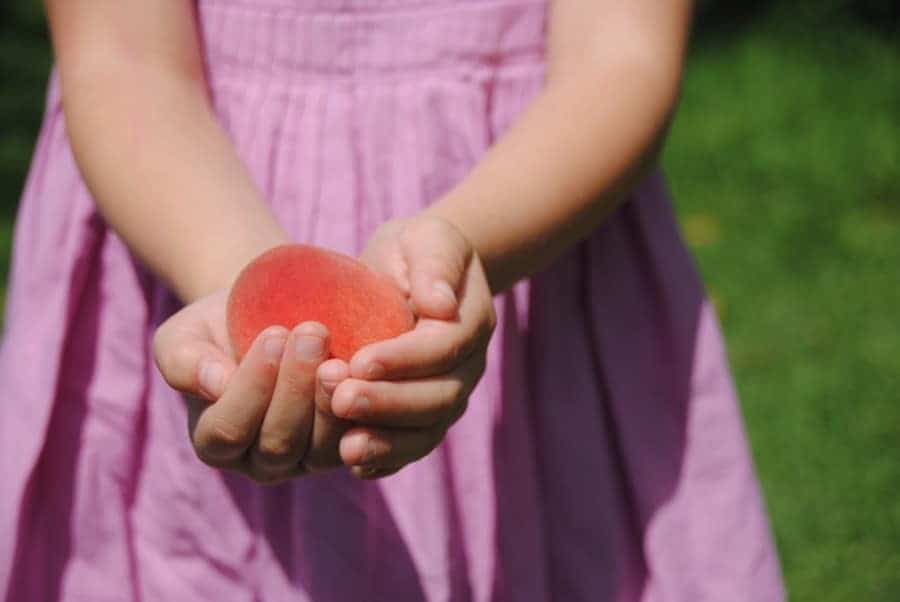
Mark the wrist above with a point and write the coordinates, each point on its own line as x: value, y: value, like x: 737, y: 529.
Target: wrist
x: 454, y: 209
x: 215, y: 267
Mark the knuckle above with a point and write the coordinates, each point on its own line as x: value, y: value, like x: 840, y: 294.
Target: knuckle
x: 383, y: 452
x: 323, y: 404
x: 226, y: 434
x: 462, y: 350
x: 486, y: 327
x: 490, y: 324
x: 478, y: 343
x: 203, y: 454
x: 464, y: 389
x: 174, y: 363
x: 442, y: 227
x: 452, y: 393
x: 455, y: 353
x: 276, y: 449
x: 441, y: 259
x: 219, y: 441
x: 260, y: 388
x: 459, y: 409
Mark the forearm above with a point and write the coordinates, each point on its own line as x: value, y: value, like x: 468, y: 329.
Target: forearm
x: 163, y: 173
x: 165, y: 176
x: 556, y: 174
x: 565, y: 164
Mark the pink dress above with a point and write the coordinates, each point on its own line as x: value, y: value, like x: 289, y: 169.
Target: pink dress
x: 602, y: 457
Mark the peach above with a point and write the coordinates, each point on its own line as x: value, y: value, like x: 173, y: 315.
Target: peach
x: 291, y: 284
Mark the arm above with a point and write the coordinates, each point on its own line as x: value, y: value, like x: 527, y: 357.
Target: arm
x: 613, y: 77
x: 161, y: 170
x: 168, y: 181
x: 595, y: 130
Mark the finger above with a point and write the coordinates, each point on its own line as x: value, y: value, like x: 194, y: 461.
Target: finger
x: 226, y: 428
x: 288, y: 421
x: 409, y: 403
x: 434, y: 346
x: 196, y: 407
x: 323, y: 446
x: 330, y: 374
x: 240, y: 465
x: 380, y: 448
x: 322, y: 453
x: 437, y: 255
x: 189, y: 362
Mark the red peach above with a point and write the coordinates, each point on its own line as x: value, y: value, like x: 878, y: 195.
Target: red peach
x: 291, y: 284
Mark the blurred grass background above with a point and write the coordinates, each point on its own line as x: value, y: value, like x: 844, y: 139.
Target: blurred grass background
x: 785, y: 165
x: 784, y: 160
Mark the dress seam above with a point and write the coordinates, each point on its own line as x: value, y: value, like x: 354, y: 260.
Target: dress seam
x: 371, y: 8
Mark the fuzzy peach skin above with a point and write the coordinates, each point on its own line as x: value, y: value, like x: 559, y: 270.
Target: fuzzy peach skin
x: 291, y: 284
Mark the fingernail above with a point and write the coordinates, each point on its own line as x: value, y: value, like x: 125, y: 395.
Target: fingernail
x: 445, y: 291
x: 274, y: 347
x: 374, y: 449
x: 309, y: 347
x: 353, y: 445
x: 211, y: 375
x: 362, y: 449
x: 329, y: 387
x: 374, y: 371
x: 360, y: 407
x: 331, y: 372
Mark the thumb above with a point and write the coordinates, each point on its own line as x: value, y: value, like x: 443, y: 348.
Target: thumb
x: 437, y: 256
x: 191, y: 365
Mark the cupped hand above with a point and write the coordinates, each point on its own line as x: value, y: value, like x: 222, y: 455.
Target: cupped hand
x: 260, y: 417
x: 404, y: 393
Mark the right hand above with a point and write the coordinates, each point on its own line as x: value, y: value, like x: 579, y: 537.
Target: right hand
x: 262, y: 417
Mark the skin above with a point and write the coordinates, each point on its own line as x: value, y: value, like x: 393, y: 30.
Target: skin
x: 134, y: 96
x: 613, y: 75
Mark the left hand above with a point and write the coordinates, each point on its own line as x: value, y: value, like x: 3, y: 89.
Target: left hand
x: 404, y: 393
x: 262, y: 417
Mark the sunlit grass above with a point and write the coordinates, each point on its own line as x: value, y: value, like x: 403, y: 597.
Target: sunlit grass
x: 784, y: 164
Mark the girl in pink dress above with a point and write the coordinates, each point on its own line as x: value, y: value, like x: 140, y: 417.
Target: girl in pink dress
x: 561, y: 423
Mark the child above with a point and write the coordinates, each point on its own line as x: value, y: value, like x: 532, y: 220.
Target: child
x: 496, y: 159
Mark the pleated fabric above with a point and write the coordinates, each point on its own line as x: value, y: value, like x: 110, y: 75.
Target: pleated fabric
x: 602, y: 456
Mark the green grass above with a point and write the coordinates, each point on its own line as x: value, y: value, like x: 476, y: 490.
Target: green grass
x: 785, y: 164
